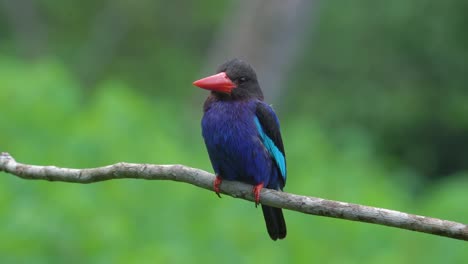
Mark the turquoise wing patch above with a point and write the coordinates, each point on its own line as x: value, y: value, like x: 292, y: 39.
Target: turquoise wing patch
x: 275, y: 153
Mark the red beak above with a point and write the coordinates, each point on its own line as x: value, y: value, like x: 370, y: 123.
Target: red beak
x: 219, y: 83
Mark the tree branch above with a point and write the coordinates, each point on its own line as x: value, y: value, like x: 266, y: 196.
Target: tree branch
x: 203, y: 179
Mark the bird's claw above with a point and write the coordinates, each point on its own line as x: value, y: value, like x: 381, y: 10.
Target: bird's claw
x: 256, y: 192
x: 217, y: 184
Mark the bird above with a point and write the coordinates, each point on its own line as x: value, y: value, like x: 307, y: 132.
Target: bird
x: 242, y: 136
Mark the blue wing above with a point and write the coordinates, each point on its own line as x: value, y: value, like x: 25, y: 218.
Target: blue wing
x: 269, y: 130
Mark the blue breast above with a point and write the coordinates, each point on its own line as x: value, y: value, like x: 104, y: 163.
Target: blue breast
x: 232, y: 139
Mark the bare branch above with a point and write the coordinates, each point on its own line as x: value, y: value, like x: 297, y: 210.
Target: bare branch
x: 203, y: 179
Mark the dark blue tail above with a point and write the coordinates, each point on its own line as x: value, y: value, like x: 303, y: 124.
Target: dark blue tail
x: 274, y: 221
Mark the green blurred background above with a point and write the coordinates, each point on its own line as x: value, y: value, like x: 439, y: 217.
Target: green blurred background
x: 372, y: 97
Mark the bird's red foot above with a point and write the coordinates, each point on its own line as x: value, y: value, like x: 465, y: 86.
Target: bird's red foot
x: 216, y: 184
x: 256, y: 192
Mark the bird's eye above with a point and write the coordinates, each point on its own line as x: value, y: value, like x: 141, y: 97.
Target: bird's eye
x: 242, y: 79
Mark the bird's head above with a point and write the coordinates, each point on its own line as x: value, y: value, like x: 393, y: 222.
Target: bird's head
x: 235, y: 79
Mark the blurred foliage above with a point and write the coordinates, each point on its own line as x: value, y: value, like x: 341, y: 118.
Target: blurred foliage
x: 129, y: 221
x: 397, y: 69
x: 376, y: 103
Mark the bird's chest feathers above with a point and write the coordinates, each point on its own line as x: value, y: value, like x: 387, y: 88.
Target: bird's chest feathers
x: 229, y: 124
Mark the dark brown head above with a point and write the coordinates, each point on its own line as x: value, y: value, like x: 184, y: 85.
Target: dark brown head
x: 235, y: 80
